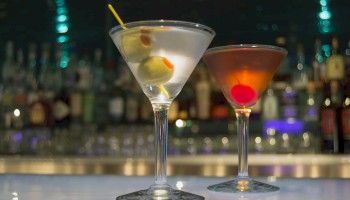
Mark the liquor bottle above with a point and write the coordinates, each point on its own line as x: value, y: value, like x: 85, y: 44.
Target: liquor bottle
x: 72, y: 89
x: 328, y: 120
x: 311, y: 110
x: 38, y: 112
x: 173, y: 111
x: 284, y: 71
x: 289, y: 109
x: 132, y: 102
x: 45, y: 76
x: 100, y: 112
x: 344, y: 142
x: 9, y: 66
x: 347, y: 60
x: 85, y: 84
x: 219, y: 107
x: 335, y: 66
x: 20, y: 97
x: 270, y: 105
x: 97, y: 69
x: 300, y: 75
x: 202, y: 98
x: 61, y: 109
x: 117, y: 103
x: 318, y: 64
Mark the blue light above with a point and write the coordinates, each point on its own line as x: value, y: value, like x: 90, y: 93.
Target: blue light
x: 62, y: 28
x: 294, y: 127
x: 62, y: 18
x: 62, y: 10
x: 60, y: 2
x: 326, y: 29
x: 323, y: 2
x: 64, y: 61
x: 325, y: 23
x: 62, y: 39
x: 324, y: 15
x: 324, y: 8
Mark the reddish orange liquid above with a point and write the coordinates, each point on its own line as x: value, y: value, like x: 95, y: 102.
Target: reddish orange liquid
x: 243, y: 73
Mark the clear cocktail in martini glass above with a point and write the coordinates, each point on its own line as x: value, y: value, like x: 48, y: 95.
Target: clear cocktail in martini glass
x: 161, y: 55
x: 243, y: 72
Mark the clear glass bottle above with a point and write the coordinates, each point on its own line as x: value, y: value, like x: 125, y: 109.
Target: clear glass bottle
x: 318, y: 64
x: 311, y: 111
x: 301, y: 73
x: 270, y: 105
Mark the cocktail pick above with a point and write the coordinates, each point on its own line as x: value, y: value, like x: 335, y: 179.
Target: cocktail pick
x: 122, y: 25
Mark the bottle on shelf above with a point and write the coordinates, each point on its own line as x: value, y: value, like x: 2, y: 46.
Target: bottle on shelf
x: 318, y: 64
x: 344, y: 141
x: 270, y: 105
x: 300, y: 76
x: 202, y: 94
x: 284, y: 71
x: 289, y: 103
x: 219, y: 105
x: 328, y: 122
x: 335, y: 66
x: 311, y: 110
x: 20, y: 97
x: 38, y: 112
x: 117, y: 103
x: 85, y: 86
x: 347, y: 60
x: 9, y: 66
x: 132, y: 101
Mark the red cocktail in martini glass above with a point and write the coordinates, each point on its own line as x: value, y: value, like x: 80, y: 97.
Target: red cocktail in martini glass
x: 243, y: 73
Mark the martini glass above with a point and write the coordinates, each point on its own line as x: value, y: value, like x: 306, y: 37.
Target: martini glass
x: 161, y: 55
x: 243, y: 73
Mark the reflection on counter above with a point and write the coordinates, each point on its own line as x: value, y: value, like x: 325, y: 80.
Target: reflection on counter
x: 185, y: 138
x: 263, y: 165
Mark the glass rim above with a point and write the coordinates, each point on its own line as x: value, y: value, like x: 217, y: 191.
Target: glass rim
x: 161, y: 22
x: 246, y: 46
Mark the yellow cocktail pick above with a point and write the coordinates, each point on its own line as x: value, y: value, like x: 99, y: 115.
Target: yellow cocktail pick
x: 122, y: 25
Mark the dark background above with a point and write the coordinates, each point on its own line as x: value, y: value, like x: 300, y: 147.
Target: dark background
x: 235, y: 21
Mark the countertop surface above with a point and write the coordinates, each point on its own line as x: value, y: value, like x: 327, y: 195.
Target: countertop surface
x: 108, y: 187
x: 260, y: 165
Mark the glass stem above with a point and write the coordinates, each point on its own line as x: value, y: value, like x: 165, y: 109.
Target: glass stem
x: 242, y: 116
x: 161, y: 142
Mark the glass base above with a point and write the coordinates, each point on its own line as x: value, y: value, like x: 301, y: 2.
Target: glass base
x: 162, y: 193
x: 243, y: 185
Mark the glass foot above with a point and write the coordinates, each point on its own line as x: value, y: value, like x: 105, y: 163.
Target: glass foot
x: 243, y: 185
x: 160, y: 194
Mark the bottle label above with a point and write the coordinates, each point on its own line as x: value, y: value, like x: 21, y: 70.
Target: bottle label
x: 328, y: 123
x: 345, y: 119
x: 116, y: 106
x: 88, y: 107
x: 335, y: 67
x: 75, y: 104
x: 37, y: 114
x: 61, y: 110
x: 203, y: 100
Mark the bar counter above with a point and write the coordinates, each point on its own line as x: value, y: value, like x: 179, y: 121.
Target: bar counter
x: 107, y: 187
x: 263, y: 165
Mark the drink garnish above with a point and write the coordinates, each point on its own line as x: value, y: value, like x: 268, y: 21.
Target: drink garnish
x: 155, y: 70
x: 143, y: 51
x: 243, y: 95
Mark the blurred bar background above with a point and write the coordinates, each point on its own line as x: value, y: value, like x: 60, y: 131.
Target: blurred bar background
x: 69, y: 104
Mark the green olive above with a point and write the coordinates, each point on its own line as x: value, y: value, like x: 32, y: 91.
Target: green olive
x: 136, y: 45
x: 155, y: 70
